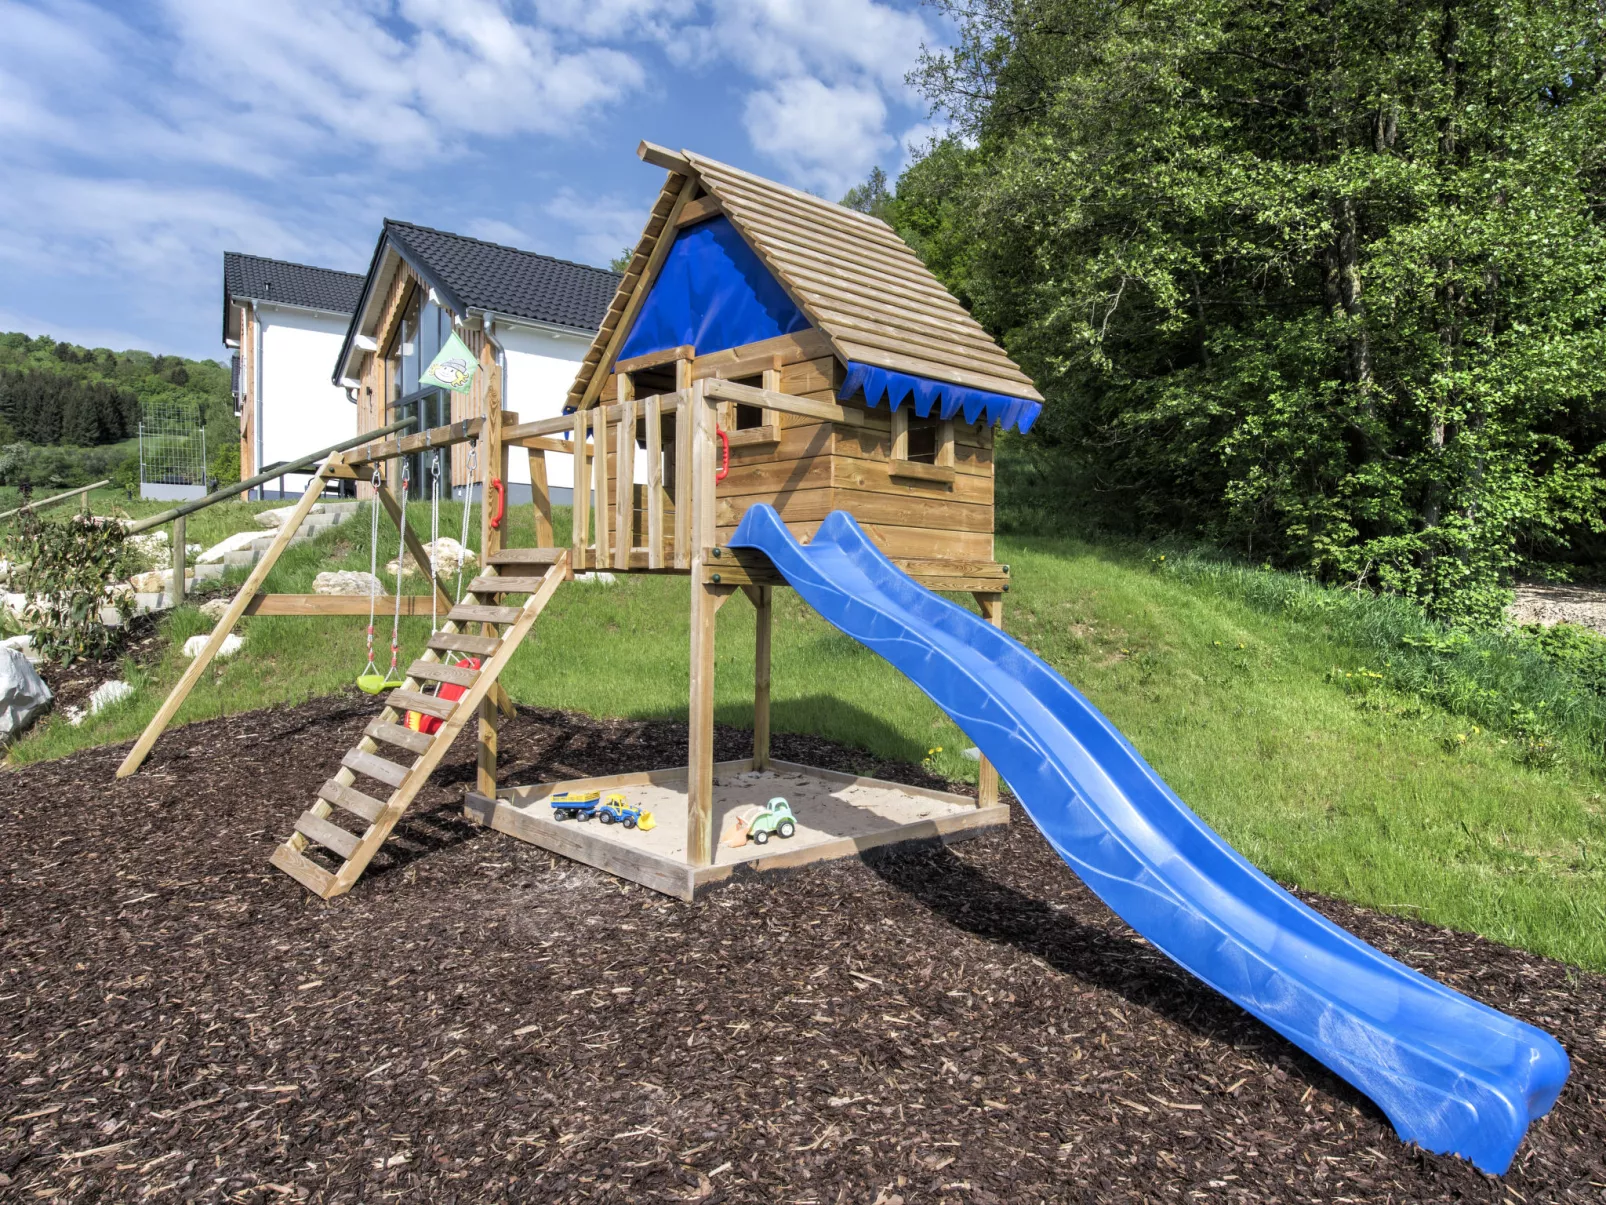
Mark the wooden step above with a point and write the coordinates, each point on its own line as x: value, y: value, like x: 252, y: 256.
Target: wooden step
x: 439, y: 671
x: 526, y: 556
x: 304, y: 871
x: 331, y: 836
x: 387, y: 772
x: 412, y: 700
x: 398, y: 735
x: 353, y: 800
x: 461, y: 642
x: 504, y: 585
x: 473, y: 613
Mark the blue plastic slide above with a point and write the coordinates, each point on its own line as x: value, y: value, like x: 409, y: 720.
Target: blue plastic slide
x: 1452, y: 1075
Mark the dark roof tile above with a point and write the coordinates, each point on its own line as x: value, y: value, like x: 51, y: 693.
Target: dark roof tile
x: 253, y: 278
x: 505, y: 280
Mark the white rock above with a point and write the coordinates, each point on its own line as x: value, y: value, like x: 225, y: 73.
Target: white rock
x: 973, y: 753
x: 74, y: 715
x: 347, y: 581
x: 156, y: 580
x: 277, y: 516
x: 596, y: 579
x: 16, y: 602
x: 108, y: 693
x: 213, y: 608
x: 231, y: 645
x: 240, y: 541
x: 447, y: 556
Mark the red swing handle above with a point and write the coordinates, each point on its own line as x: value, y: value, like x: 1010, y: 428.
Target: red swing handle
x: 501, y: 503
x: 725, y: 452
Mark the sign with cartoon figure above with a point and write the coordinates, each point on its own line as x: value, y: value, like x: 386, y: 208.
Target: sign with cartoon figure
x: 453, y: 368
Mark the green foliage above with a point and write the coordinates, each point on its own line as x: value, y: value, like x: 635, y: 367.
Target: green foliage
x: 1577, y: 652
x: 226, y: 462
x: 61, y: 467
x: 63, y: 568
x: 872, y: 197
x: 1323, y: 283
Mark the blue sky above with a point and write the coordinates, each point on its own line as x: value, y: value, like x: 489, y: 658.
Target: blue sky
x: 142, y: 140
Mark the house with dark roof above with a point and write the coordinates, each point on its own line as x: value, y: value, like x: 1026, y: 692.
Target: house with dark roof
x: 528, y: 318
x: 285, y: 322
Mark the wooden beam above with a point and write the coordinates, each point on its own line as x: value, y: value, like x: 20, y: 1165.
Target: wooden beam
x: 992, y: 610
x: 704, y: 606
x: 699, y: 210
x: 764, y: 611
x: 624, y: 472
x: 599, y: 478
x: 225, y: 625
x: 786, y: 403
x: 581, y: 507
x: 540, y: 443
x: 655, y: 359
x: 662, y: 156
x: 683, y: 458
x: 335, y: 604
x: 494, y: 456
x: 655, y: 483
x: 436, y: 437
x: 541, y: 496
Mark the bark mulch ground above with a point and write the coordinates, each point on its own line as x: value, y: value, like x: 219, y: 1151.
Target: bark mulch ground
x: 480, y: 1021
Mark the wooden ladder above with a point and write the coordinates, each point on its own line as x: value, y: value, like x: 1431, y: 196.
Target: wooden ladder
x: 354, y: 850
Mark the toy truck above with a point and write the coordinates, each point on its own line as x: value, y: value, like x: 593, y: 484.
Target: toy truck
x: 614, y: 810
x: 776, y: 818
x: 574, y: 805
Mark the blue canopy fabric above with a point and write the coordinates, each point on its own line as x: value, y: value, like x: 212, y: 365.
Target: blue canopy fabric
x: 711, y: 294
x: 948, y: 399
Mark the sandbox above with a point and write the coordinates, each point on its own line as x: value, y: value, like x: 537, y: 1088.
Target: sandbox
x: 838, y: 816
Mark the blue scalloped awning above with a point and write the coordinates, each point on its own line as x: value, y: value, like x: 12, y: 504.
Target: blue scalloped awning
x: 948, y: 399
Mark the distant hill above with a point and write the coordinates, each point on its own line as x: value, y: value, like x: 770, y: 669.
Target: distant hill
x: 68, y: 398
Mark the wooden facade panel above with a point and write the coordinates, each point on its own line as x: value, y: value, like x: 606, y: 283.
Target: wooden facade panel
x: 813, y: 505
x: 851, y: 473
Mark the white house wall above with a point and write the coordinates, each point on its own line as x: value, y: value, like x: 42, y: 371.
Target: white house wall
x: 301, y: 411
x: 540, y: 370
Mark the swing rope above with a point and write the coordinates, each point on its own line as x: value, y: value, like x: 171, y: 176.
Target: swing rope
x: 401, y: 558
x: 434, y: 541
x: 377, y: 482
x: 371, y: 681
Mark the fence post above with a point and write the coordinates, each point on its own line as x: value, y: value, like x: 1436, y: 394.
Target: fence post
x: 178, y: 561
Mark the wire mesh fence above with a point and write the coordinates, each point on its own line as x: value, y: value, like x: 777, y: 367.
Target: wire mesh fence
x: 172, y: 451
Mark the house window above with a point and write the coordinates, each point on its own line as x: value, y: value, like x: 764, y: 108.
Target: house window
x: 917, y: 440
x: 420, y: 335
x: 923, y: 439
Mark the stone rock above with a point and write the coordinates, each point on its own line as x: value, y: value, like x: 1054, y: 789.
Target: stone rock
x: 24, y: 697
x: 16, y: 603
x: 213, y: 608
x: 597, y: 579
x: 231, y: 645
x: 157, y: 580
x: 347, y: 581
x: 447, y: 557
x: 276, y: 517
x: 240, y: 541
x: 109, y: 693
x: 973, y: 753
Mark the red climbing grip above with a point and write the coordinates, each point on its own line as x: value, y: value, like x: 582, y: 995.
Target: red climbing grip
x: 501, y: 503
x: 725, y: 454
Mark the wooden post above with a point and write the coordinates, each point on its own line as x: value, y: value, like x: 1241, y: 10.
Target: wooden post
x: 624, y: 473
x: 683, y: 458
x: 582, y: 494
x: 599, y: 480
x: 992, y: 610
x: 225, y: 625
x: 764, y: 610
x: 704, y: 606
x: 495, y: 455
x: 900, y: 431
x: 178, y: 559
x: 655, y: 483
x: 541, y: 496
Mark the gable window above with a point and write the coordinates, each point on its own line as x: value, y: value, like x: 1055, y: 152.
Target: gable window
x: 419, y: 337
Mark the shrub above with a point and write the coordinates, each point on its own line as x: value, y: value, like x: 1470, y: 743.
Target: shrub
x: 63, y: 569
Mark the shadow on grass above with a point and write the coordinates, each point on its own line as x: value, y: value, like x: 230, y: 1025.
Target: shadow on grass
x: 1121, y: 963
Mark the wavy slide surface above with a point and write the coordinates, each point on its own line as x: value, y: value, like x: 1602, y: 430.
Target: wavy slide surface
x: 1453, y: 1075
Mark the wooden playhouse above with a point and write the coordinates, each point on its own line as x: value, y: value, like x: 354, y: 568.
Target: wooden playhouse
x: 764, y: 346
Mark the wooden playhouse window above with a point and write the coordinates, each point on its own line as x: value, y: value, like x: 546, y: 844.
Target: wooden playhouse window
x: 922, y: 448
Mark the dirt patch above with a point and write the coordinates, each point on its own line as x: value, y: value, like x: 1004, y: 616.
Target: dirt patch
x: 1581, y: 605
x: 72, y: 686
x: 482, y: 1021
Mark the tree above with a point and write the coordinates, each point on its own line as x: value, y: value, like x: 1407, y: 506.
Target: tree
x: 1325, y: 281
x: 871, y: 197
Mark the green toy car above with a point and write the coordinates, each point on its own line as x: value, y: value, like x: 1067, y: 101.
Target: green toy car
x: 776, y: 818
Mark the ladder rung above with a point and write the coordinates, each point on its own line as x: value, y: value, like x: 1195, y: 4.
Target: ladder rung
x: 471, y: 613
x: 412, y: 700
x: 353, y: 800
x: 401, y: 737
x: 526, y: 556
x: 331, y: 836
x: 387, y: 772
x: 304, y: 871
x: 479, y: 646
x: 439, y: 671
x: 505, y: 585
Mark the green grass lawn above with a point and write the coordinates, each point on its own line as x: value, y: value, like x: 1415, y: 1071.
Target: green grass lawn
x: 1374, y: 795
x: 204, y: 527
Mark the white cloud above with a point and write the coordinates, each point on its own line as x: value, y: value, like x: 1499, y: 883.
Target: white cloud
x: 603, y: 226
x: 830, y: 136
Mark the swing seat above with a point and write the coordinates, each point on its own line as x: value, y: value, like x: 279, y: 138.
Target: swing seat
x: 377, y: 684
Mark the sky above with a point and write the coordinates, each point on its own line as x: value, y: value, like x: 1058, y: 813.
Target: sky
x: 142, y: 140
